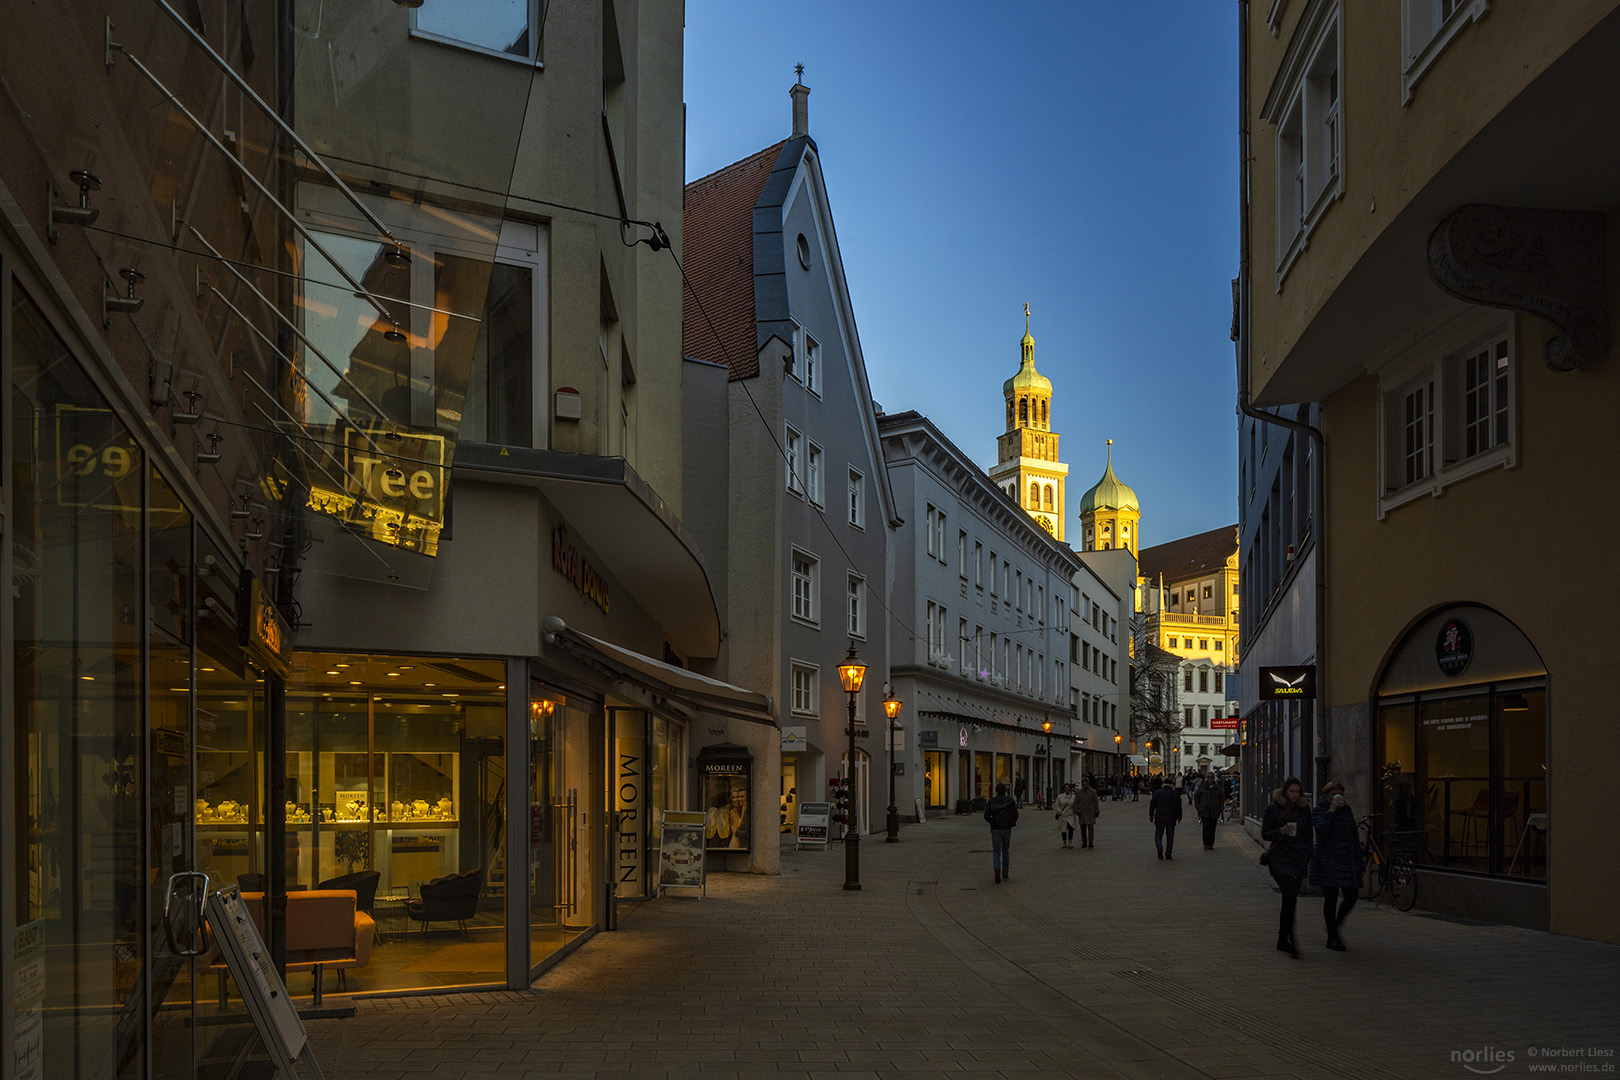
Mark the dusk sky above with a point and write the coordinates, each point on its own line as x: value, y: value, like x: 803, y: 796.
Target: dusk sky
x: 1078, y: 156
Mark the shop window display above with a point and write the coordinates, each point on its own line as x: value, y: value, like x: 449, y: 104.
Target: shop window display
x: 397, y: 765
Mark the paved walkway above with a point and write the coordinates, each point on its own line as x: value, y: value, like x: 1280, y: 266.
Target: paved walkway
x: 1088, y: 963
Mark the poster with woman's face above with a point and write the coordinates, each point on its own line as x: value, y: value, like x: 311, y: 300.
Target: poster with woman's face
x: 725, y: 806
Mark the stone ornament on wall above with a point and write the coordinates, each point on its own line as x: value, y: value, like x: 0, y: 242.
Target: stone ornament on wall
x: 1548, y: 263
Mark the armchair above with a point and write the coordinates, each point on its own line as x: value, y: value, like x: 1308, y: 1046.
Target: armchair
x: 453, y: 898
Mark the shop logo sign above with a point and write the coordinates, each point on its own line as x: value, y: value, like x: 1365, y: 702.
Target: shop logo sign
x: 567, y: 561
x: 1453, y: 648
x: 1288, y: 682
x: 962, y: 737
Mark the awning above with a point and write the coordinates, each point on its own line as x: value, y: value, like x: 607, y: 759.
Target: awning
x: 685, y: 687
x: 1233, y: 750
x: 1137, y: 759
x: 611, y: 510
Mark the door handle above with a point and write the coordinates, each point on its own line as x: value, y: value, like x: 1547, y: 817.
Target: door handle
x: 198, y: 926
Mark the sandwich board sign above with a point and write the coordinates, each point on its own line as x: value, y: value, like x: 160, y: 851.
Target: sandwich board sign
x: 260, y: 984
x: 680, y: 852
x: 813, y: 818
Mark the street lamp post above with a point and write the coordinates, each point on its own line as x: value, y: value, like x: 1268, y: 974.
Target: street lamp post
x: 891, y: 709
x: 852, y: 673
x: 1119, y: 764
x: 1046, y: 725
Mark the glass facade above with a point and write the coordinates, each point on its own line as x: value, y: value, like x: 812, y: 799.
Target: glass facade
x: 1464, y: 779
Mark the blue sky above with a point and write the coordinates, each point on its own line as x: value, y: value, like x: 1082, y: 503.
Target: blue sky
x: 1080, y: 156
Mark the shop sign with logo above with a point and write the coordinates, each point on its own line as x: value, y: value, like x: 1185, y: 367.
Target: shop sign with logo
x: 794, y: 740
x: 1453, y: 647
x: 264, y: 633
x: 813, y: 818
x: 1224, y: 723
x: 567, y: 561
x: 962, y: 736
x: 393, y: 485
x: 928, y: 739
x: 1288, y: 682
x: 629, y: 803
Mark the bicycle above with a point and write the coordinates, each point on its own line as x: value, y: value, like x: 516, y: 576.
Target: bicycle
x: 1391, y: 873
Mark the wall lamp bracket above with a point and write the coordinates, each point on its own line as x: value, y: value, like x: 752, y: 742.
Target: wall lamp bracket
x: 62, y: 214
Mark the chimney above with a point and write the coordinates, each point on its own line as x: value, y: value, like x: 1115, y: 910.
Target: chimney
x: 801, y: 109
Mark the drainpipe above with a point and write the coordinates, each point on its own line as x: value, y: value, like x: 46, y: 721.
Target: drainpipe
x: 1317, y: 737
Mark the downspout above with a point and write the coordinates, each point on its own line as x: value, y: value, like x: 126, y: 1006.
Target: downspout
x: 1318, y: 735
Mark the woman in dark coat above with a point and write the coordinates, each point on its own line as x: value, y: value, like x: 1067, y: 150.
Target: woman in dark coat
x: 1336, y: 862
x: 1287, y: 825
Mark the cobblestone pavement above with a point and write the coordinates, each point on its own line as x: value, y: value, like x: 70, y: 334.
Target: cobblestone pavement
x: 1088, y: 963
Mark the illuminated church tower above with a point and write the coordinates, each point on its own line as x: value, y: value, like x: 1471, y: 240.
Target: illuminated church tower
x: 1109, y: 512
x: 1027, y: 465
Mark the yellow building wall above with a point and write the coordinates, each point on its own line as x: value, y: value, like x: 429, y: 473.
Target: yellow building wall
x: 1532, y: 542
x: 1390, y: 151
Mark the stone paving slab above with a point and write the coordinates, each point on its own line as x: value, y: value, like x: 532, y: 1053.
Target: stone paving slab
x: 1099, y: 963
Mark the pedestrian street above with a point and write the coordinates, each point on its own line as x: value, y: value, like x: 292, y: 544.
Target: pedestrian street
x: 1096, y: 963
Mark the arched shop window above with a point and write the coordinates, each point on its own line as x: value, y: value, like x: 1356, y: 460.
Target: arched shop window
x: 1461, y: 741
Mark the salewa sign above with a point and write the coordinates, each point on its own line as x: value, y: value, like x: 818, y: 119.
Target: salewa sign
x: 1288, y: 682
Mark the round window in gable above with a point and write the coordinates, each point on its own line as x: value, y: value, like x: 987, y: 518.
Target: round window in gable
x: 804, y: 252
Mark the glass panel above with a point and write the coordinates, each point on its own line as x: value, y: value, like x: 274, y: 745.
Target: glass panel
x: 562, y: 776
x: 396, y: 779
x: 172, y: 928
x: 1522, y: 846
x: 498, y: 25
x: 983, y: 776
x: 1456, y: 747
x: 80, y: 880
x: 498, y: 404
x: 1399, y: 769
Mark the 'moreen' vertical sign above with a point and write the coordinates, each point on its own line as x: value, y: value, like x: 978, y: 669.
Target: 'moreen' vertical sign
x: 630, y: 802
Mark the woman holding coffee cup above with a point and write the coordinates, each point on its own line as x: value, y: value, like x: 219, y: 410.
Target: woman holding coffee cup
x: 1336, y: 863
x: 1287, y: 824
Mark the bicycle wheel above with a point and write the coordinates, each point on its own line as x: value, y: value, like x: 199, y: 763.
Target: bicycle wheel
x: 1403, y: 882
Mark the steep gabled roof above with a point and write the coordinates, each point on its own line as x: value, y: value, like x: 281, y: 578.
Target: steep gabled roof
x: 1191, y: 556
x: 718, y: 234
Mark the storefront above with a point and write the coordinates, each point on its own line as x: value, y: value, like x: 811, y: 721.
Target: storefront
x: 1461, y: 736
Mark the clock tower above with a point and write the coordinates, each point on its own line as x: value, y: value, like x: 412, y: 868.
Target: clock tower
x: 1027, y: 465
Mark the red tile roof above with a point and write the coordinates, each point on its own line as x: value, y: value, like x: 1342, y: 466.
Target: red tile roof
x: 718, y: 234
x: 1191, y: 556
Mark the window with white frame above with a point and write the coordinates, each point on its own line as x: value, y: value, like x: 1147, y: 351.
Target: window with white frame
x: 964, y: 659
x: 806, y: 571
x: 1449, y: 414
x: 857, y: 499
x: 939, y: 630
x: 794, y: 446
x: 813, y: 471
x: 812, y: 365
x: 930, y: 521
x: 993, y: 574
x: 1310, y: 133
x: 1427, y: 27
x: 978, y: 565
x: 805, y: 682
x: 961, y: 554
x: 857, y: 611
x: 939, y: 536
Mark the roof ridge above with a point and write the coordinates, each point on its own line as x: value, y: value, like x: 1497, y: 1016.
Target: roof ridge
x: 737, y: 165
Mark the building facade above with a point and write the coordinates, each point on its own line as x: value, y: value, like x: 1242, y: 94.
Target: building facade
x: 796, y: 502
x: 1190, y: 601
x: 1279, y: 585
x: 981, y: 609
x: 256, y: 393
x: 1427, y: 257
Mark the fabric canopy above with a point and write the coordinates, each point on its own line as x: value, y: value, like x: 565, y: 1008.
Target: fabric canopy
x: 1138, y: 759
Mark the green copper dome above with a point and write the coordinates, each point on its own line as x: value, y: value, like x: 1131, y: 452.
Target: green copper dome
x: 1108, y: 493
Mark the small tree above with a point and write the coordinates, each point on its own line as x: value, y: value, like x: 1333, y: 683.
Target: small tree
x: 1156, y: 695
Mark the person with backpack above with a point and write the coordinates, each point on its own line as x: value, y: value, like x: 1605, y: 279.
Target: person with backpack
x: 1164, y: 810
x: 1002, y: 814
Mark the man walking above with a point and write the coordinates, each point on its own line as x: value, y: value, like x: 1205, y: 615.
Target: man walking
x: 1002, y: 814
x: 1164, y: 810
x: 1209, y: 804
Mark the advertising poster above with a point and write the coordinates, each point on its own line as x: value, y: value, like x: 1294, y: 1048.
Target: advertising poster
x: 629, y: 802
x: 680, y: 850
x: 726, y: 796
x: 813, y: 818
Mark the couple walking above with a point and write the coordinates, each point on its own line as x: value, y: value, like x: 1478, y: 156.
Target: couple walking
x: 1078, y: 808
x: 1321, y: 841
x: 1073, y: 808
